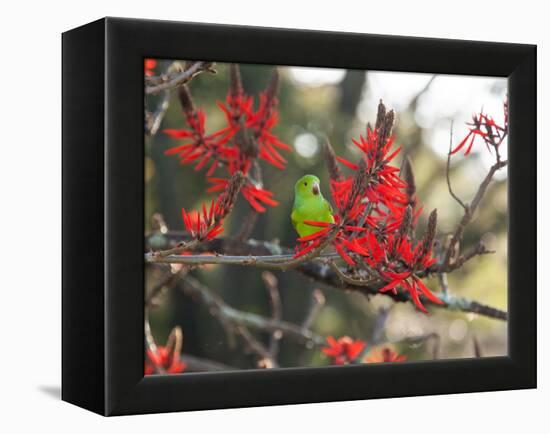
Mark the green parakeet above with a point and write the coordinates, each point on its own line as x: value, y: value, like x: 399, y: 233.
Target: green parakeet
x: 309, y: 204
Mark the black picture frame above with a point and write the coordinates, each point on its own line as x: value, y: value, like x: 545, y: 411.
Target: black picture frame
x: 103, y: 195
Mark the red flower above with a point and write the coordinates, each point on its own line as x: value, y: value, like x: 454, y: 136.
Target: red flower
x: 241, y: 117
x: 487, y: 129
x: 207, y: 223
x: 255, y: 196
x: 368, y: 198
x: 384, y: 188
x: 246, y: 137
x: 163, y: 359
x: 309, y: 242
x: 405, y: 261
x: 413, y: 285
x: 375, y: 211
x: 199, y: 147
x: 149, y: 65
x: 385, y: 355
x: 340, y: 242
x: 344, y: 350
x: 202, y: 225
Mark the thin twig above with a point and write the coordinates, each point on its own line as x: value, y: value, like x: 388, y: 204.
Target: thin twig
x: 180, y: 78
x: 376, y: 335
x: 477, y: 347
x: 180, y: 248
x: 220, y: 309
x: 350, y: 280
x: 426, y: 88
x: 448, y: 173
x: 314, y: 269
x: 272, y: 287
x: 317, y: 302
x: 275, y: 262
x: 443, y: 282
x: 479, y: 250
x: 466, y: 305
x: 470, y: 211
x: 266, y: 360
x: 169, y: 280
x: 379, y: 325
x: 153, y: 120
x: 150, y: 344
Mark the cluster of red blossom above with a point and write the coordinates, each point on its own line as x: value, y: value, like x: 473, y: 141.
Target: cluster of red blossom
x: 375, y: 214
x: 166, y: 359
x: 149, y: 65
x: 246, y: 137
x: 376, y: 209
x: 163, y: 361
x: 484, y: 126
x: 378, y: 243
x: 346, y: 350
x: 207, y: 223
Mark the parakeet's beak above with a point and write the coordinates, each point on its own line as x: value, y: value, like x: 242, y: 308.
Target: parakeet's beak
x: 315, y: 189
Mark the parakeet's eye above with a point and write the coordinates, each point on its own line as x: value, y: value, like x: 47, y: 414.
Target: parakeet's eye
x: 305, y: 183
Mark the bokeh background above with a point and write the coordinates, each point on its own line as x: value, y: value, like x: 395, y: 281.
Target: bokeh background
x: 315, y: 103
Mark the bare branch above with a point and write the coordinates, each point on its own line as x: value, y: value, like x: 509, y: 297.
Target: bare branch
x: 426, y: 88
x: 477, y: 347
x: 272, y: 287
x: 219, y: 308
x: 379, y: 325
x: 180, y: 248
x: 479, y: 250
x: 254, y: 345
x: 150, y: 344
x: 377, y: 333
x: 470, y: 211
x: 153, y: 120
x: 317, y: 302
x: 274, y: 262
x: 448, y: 173
x: 168, y: 281
x: 472, y: 306
x: 270, y: 254
x: 350, y: 280
x: 443, y: 282
x: 175, y: 80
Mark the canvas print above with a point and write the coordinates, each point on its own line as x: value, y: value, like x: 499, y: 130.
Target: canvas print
x: 310, y: 217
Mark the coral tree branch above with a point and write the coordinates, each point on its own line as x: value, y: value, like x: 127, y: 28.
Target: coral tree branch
x: 175, y: 80
x: 220, y: 309
x: 264, y: 254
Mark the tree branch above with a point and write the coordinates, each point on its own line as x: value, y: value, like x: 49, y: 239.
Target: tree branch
x: 220, y: 309
x: 276, y: 262
x: 153, y: 120
x: 479, y: 250
x: 315, y: 268
x: 170, y: 81
x: 470, y: 211
x: 448, y: 173
x: 168, y: 281
x: 272, y: 287
x: 317, y: 302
